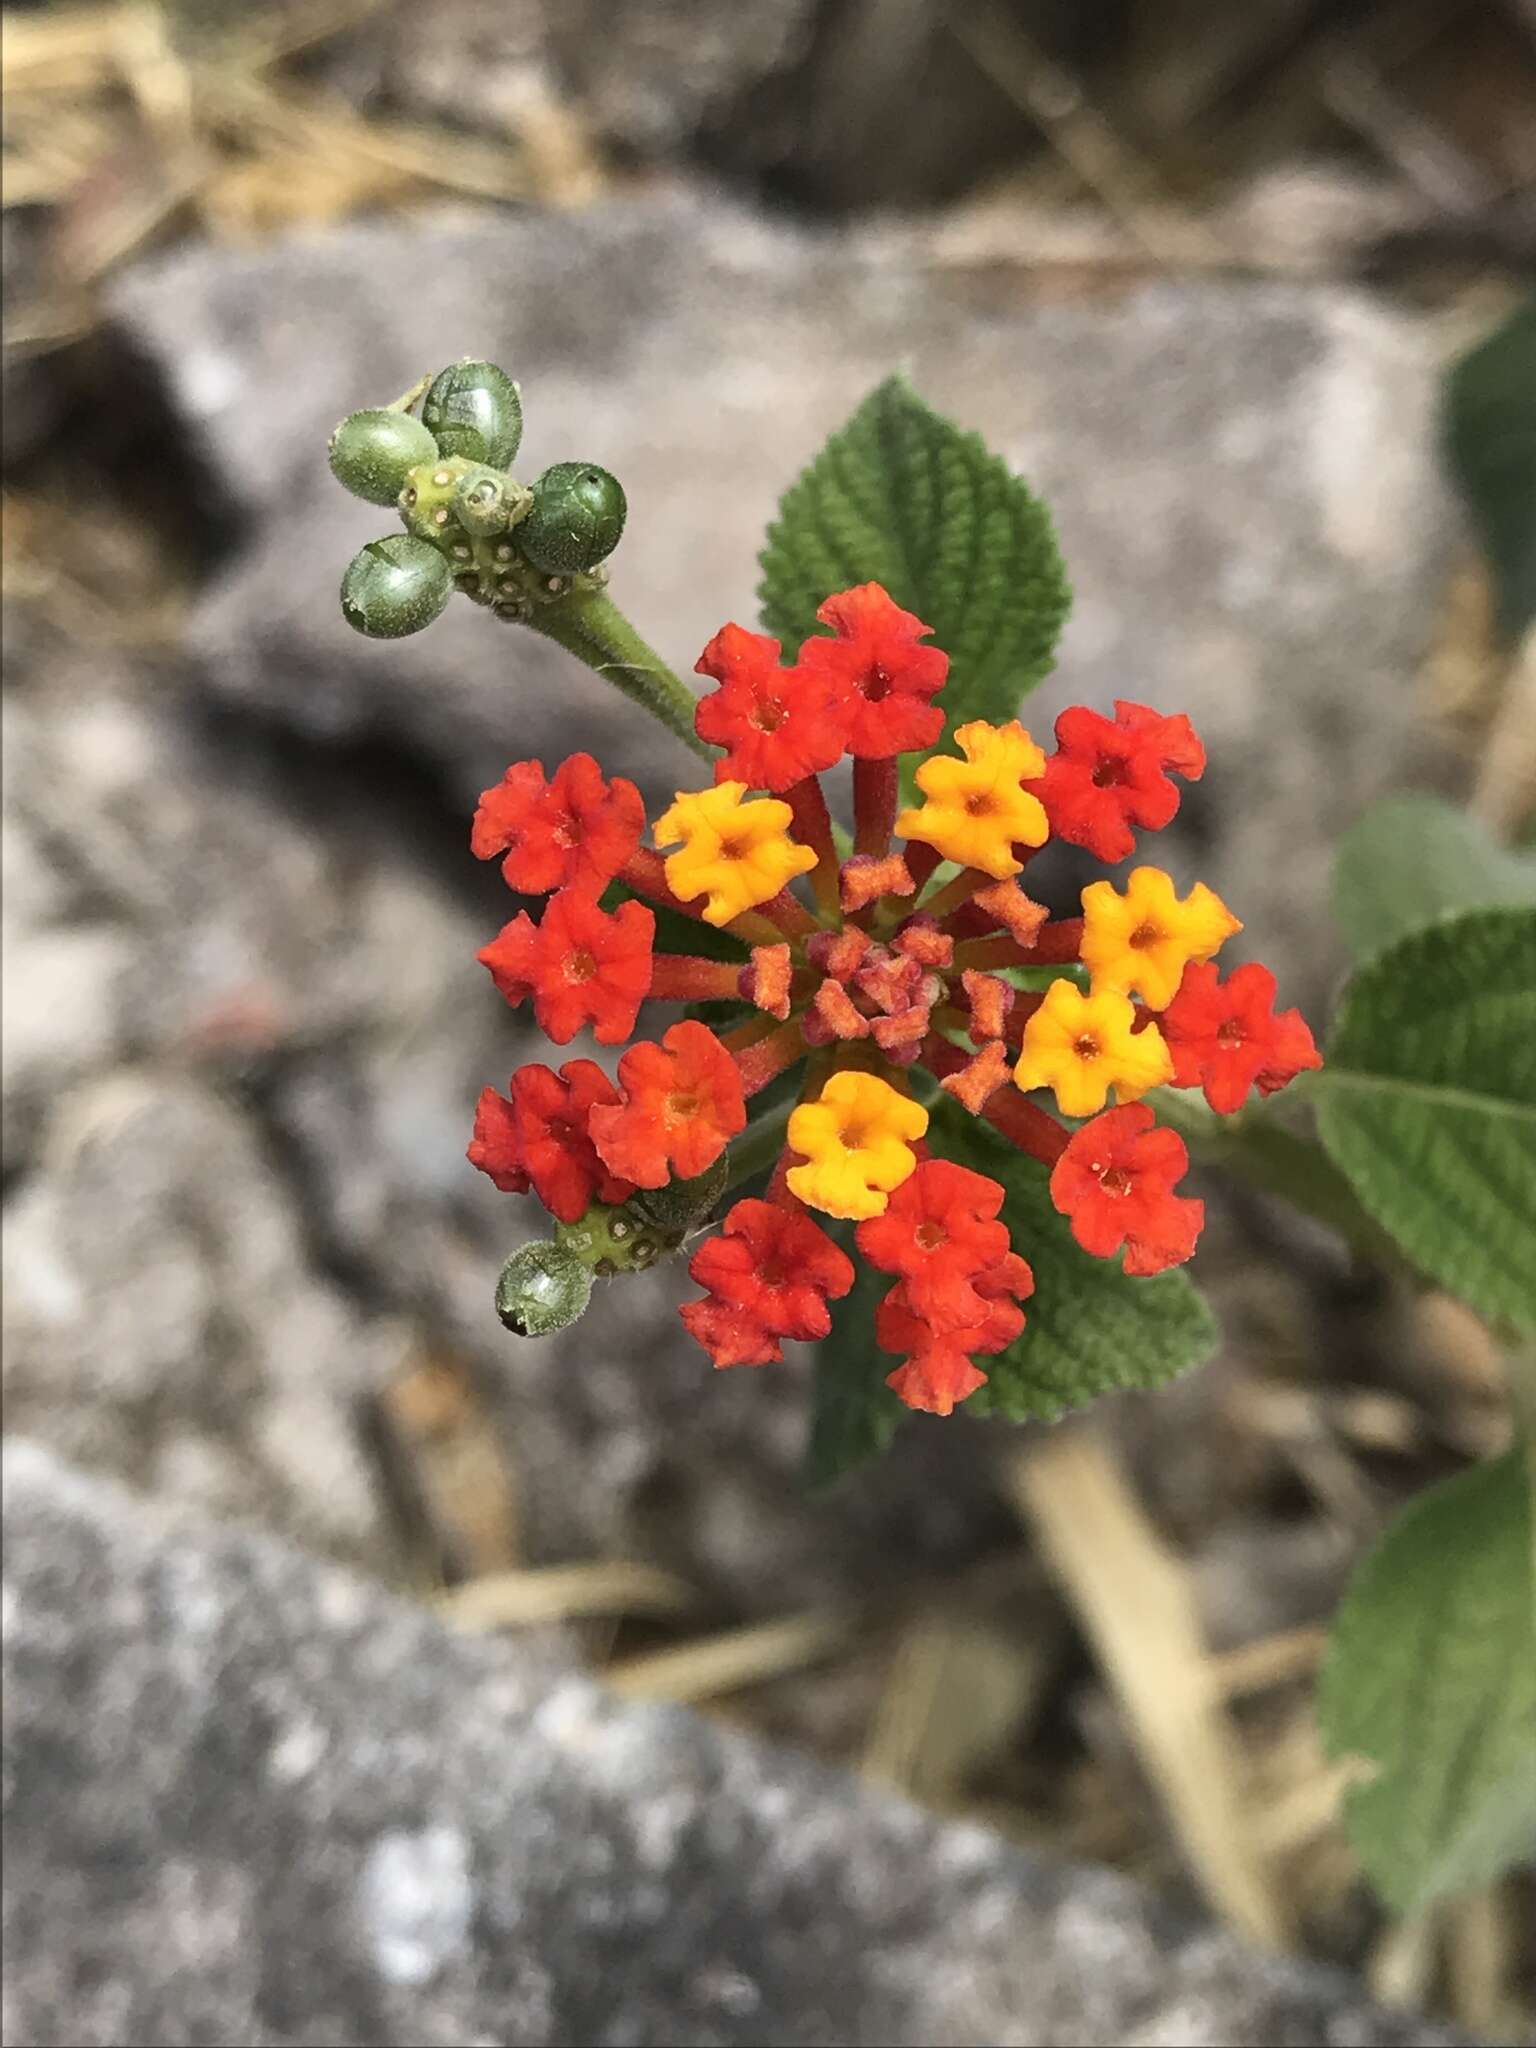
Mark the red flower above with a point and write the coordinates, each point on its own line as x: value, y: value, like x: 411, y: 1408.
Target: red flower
x: 495, y: 1147
x: 938, y: 1232
x: 729, y: 1335
x: 1110, y: 774
x: 1228, y: 1037
x: 582, y: 965
x: 770, y: 1274
x: 883, y: 677
x: 544, y: 1128
x: 576, y: 829
x: 780, y: 724
x: 939, y: 1370
x: 1115, y: 1182
x: 682, y: 1105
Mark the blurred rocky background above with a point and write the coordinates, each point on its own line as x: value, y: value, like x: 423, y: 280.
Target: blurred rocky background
x: 1197, y: 270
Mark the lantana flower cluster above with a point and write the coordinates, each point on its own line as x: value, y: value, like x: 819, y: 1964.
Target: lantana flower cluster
x: 879, y: 972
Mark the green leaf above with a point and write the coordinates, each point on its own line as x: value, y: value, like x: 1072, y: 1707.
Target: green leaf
x: 854, y: 1414
x: 904, y: 497
x: 1412, y: 858
x: 1089, y: 1330
x: 1431, y: 1676
x: 1428, y: 1103
x: 1490, y: 435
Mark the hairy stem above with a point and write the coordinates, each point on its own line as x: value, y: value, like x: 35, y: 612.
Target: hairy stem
x: 588, y: 624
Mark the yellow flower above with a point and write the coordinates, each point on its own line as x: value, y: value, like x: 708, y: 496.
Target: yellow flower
x: 977, y: 808
x: 858, y: 1141
x: 1145, y: 939
x: 738, y: 854
x: 1083, y: 1045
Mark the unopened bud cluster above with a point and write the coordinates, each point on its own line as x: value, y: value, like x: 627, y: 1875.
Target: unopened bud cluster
x: 469, y: 524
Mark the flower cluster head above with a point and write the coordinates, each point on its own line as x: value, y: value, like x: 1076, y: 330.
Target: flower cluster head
x: 915, y: 962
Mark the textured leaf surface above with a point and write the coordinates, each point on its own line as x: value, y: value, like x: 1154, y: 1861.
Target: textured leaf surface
x: 1490, y: 430
x: 1432, y: 1678
x: 1428, y: 1103
x: 904, y: 497
x: 1410, y: 860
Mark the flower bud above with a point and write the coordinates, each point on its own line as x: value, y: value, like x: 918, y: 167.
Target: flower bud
x: 474, y: 409
x: 543, y: 1287
x: 577, y: 518
x: 372, y: 452
x: 395, y: 586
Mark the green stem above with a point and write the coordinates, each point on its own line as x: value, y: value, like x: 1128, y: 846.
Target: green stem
x: 588, y: 624
x: 1256, y: 1147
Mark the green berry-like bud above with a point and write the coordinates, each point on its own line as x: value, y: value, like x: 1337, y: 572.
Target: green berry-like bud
x: 395, y: 586
x: 578, y: 515
x: 486, y: 502
x: 473, y: 409
x: 371, y: 452
x: 543, y: 1287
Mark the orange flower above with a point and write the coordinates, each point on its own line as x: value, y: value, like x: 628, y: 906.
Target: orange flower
x: 682, y: 1104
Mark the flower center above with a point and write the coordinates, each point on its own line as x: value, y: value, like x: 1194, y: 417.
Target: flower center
x: 930, y: 1236
x: 981, y: 805
x: 1087, y: 1047
x: 1231, y: 1035
x: 734, y: 845
x: 875, y: 684
x: 1114, y: 1180
x: 580, y: 966
x: 682, y: 1103
x: 568, y: 830
x: 1145, y: 935
x: 767, y: 714
x: 1110, y: 772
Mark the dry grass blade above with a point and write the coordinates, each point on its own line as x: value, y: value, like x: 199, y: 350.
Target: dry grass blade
x: 957, y: 1690
x: 725, y: 1663
x: 563, y: 1592
x: 1272, y: 1660
x: 1136, y: 1602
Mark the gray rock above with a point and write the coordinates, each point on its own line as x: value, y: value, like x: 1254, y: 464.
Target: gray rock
x: 1242, y: 474
x: 250, y: 1801
x: 180, y: 944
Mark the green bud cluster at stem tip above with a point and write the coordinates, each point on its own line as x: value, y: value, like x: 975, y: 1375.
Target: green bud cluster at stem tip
x: 530, y: 554
x: 513, y: 549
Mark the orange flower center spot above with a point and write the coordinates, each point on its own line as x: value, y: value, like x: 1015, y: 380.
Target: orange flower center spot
x: 1087, y: 1047
x: 568, y: 831
x: 682, y: 1103
x: 767, y: 714
x: 930, y: 1236
x: 1231, y: 1035
x: 981, y: 805
x: 581, y: 966
x: 1146, y: 935
x: 1114, y: 1181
